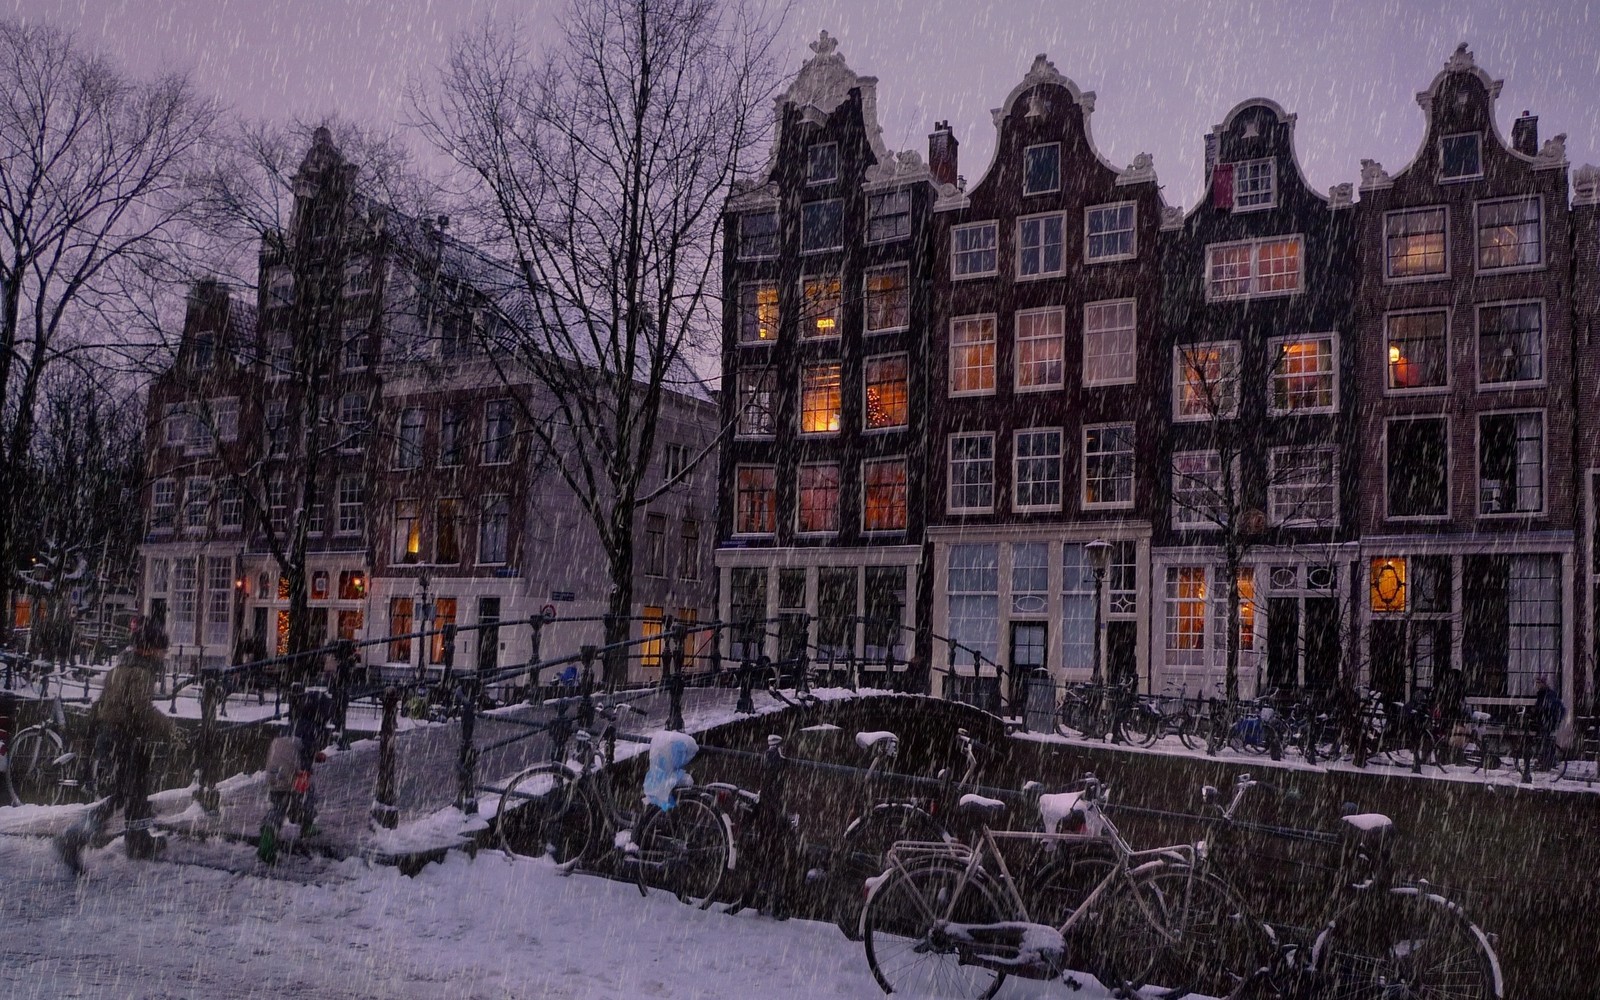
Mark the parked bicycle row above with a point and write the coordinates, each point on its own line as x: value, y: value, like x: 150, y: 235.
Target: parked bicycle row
x: 952, y: 891
x: 1423, y: 731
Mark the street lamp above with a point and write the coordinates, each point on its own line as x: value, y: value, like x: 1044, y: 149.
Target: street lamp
x: 1099, y: 553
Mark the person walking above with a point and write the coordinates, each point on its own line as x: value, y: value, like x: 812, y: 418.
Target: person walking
x: 1547, y: 712
x: 290, y: 793
x: 127, y: 730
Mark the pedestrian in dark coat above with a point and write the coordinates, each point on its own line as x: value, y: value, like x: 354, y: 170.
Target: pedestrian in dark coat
x: 128, y: 731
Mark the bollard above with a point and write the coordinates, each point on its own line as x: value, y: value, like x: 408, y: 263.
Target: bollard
x: 385, y: 810
x: 467, y: 759
x: 207, y: 795
x: 586, y: 654
x: 675, y: 681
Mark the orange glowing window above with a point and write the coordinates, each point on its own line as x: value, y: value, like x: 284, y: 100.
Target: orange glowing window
x: 1388, y: 590
x: 821, y: 297
x: 820, y: 399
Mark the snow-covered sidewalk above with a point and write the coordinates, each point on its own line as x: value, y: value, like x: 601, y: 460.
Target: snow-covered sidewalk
x: 469, y: 930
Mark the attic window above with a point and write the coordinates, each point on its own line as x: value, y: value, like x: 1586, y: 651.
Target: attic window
x: 1461, y: 157
x: 822, y: 163
x: 1041, y: 168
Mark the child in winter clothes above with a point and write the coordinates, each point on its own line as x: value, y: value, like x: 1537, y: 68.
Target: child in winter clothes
x: 289, y: 759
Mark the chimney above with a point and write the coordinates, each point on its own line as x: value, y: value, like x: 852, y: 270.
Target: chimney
x: 1525, y: 135
x: 942, y: 153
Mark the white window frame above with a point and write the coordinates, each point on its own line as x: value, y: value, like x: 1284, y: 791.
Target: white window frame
x: 488, y: 502
x: 880, y: 198
x: 1389, y: 277
x: 408, y: 453
x: 1449, y: 449
x: 994, y: 363
x: 800, y: 410
x: 1060, y: 168
x: 814, y: 180
x: 867, y: 364
x: 1277, y: 346
x: 1477, y: 346
x: 359, y: 275
x: 1227, y: 347
x: 225, y: 411
x: 1276, y: 512
x: 753, y: 290
x: 827, y: 249
x: 1477, y: 138
x: 1271, y: 165
x: 351, y: 513
x: 950, y: 478
x: 901, y: 461
x: 1422, y: 390
x: 1043, y: 219
x: 510, y: 438
x: 1059, y: 336
x: 1190, y: 516
x: 747, y: 382
x: 1105, y: 333
x: 169, y: 486
x: 799, y: 505
x: 1133, y: 474
x: 777, y: 236
x: 230, y: 505
x: 1132, y: 231
x: 956, y: 232
x: 808, y: 318
x: 1016, y: 468
x: 755, y: 467
x: 1477, y: 235
x: 1255, y: 246
x: 1544, y: 463
x: 866, y: 311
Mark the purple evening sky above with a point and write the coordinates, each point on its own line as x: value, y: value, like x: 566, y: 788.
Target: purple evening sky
x: 1165, y: 72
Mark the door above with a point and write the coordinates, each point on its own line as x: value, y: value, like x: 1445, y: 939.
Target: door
x: 1122, y: 650
x: 489, y: 633
x: 1322, y: 643
x: 1389, y: 655
x: 1283, y: 643
x: 1028, y: 644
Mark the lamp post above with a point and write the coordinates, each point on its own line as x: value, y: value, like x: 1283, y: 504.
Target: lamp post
x: 1099, y: 553
x: 424, y: 619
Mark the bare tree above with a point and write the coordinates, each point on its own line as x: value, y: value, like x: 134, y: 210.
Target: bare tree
x: 93, y: 170
x: 598, y: 170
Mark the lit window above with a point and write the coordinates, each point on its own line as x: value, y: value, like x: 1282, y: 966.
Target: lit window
x: 1510, y: 234
x: 973, y: 250
x: 1257, y: 267
x: 756, y: 495
x: 1109, y: 342
x: 407, y: 532
x: 889, y: 216
x: 972, y: 355
x: 1206, y: 380
x: 819, y: 498
x: 1510, y: 463
x: 820, y: 299
x: 821, y: 225
x: 1040, y: 343
x: 888, y: 298
x: 1304, y: 376
x: 1186, y: 616
x: 758, y: 312
x: 1036, y: 472
x: 1460, y: 156
x: 820, y: 399
x: 1419, y: 356
x: 1254, y: 185
x: 400, y: 625
x: 1041, y: 168
x: 888, y: 395
x: 1041, y: 245
x: 1108, y: 466
x: 971, y: 472
x: 884, y: 495
x: 1414, y: 243
x: 1109, y: 232
x: 756, y: 389
x: 1387, y: 591
x: 758, y: 235
x: 1302, y: 486
x: 1510, y: 344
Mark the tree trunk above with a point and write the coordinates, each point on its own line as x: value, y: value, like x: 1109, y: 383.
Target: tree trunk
x: 619, y: 605
x: 1231, y: 561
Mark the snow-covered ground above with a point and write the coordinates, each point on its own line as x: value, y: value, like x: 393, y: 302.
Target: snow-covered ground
x: 484, y: 929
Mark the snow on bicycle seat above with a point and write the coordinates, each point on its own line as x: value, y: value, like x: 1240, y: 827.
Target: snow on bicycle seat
x: 1059, y: 808
x: 867, y: 741
x: 1481, y: 716
x: 1367, y: 828
x: 980, y: 807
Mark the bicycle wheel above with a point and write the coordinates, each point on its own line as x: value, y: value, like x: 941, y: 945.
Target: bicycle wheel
x: 1140, y: 726
x: 1106, y: 941
x: 861, y: 856
x: 1075, y: 719
x: 684, y: 849
x: 1205, y: 943
x: 544, y: 814
x: 1405, y: 942
x: 1191, y: 730
x: 906, y: 950
x: 34, y: 771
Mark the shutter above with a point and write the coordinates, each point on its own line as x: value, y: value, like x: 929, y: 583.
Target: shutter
x: 1222, y: 186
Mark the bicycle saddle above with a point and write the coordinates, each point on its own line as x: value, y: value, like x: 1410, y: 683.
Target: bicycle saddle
x: 978, y: 807
x: 867, y: 741
x: 1372, y: 831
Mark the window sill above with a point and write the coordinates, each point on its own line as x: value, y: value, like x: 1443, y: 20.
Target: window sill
x: 1121, y: 258
x: 974, y: 275
x: 1425, y: 390
x: 1515, y: 515
x: 1488, y: 272
x: 887, y: 329
x: 1028, y: 390
x: 1110, y: 383
x: 1303, y: 411
x: 969, y: 393
x: 1414, y: 279
x: 1119, y: 505
x: 1042, y: 276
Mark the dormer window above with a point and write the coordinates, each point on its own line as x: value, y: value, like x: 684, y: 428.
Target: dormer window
x: 1461, y: 157
x: 822, y: 163
x: 1041, y: 172
x: 1254, y: 185
x: 205, y: 353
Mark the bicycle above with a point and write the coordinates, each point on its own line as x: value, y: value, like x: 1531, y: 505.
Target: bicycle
x: 1372, y: 936
x: 950, y: 919
x: 1100, y: 712
x: 570, y: 812
x: 44, y: 767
